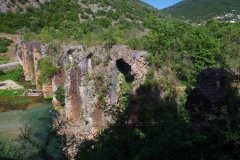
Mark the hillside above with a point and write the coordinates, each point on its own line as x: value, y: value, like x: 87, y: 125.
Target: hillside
x: 38, y: 14
x: 197, y: 10
x: 89, y: 22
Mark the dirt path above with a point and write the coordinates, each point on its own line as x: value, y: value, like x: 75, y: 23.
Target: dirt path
x: 11, y: 36
x: 10, y: 53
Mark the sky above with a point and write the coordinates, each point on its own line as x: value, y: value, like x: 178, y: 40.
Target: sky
x: 160, y: 4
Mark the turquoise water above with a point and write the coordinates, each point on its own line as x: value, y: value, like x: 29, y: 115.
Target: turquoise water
x: 34, y: 116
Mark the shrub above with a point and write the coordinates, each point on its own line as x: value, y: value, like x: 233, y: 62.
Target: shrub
x: 84, y: 16
x: 3, y: 49
x: 47, y: 70
x: 85, y: 2
x: 136, y: 43
x: 60, y: 95
x: 110, y: 14
x: 30, y: 8
x: 5, y: 42
x: 101, y: 13
x: 103, y: 22
x: 71, y: 16
x: 88, y: 10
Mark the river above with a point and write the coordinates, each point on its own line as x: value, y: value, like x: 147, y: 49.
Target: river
x: 34, y: 116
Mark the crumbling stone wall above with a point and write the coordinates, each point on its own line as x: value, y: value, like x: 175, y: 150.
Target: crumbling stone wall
x: 89, y: 77
x: 211, y: 92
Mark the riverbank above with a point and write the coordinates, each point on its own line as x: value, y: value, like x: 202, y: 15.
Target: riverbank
x: 12, y: 86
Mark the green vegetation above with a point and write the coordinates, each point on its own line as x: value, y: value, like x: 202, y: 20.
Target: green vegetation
x: 4, y: 43
x: 4, y: 60
x: 15, y: 75
x: 199, y: 10
x: 59, y: 19
x: 10, y: 151
x: 47, y: 70
x: 11, y: 93
x: 11, y: 98
x: 60, y: 95
x: 187, y: 50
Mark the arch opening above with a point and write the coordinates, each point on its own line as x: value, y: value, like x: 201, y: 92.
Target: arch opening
x: 125, y: 69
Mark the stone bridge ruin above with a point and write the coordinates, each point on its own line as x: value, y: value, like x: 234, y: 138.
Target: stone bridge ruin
x: 90, y: 77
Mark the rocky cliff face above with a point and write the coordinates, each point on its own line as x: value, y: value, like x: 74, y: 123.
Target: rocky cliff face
x: 90, y: 77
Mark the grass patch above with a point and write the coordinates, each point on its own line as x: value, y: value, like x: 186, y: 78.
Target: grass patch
x: 11, y: 93
x: 11, y: 99
x: 15, y: 75
x: 48, y: 97
x: 4, y: 60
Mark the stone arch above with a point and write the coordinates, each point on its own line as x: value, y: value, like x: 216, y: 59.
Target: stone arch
x: 125, y: 69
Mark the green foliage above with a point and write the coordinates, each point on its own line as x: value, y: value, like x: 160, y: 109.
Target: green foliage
x: 3, y: 49
x: 4, y: 43
x: 30, y: 8
x: 11, y: 93
x: 136, y: 43
x: 23, y: 1
x: 102, y: 22
x: 60, y: 95
x: 29, y: 36
x: 72, y: 16
x: 47, y: 70
x: 199, y: 10
x: 10, y: 151
x: 54, y: 12
x: 16, y: 75
x: 186, y: 50
x: 124, y: 95
x: 88, y: 10
x: 96, y: 61
x: 109, y: 38
x: 4, y: 60
x: 101, y: 13
x: 11, y: 22
x: 84, y: 16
